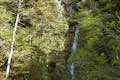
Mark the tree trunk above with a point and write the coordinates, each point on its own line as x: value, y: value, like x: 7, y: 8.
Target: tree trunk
x: 12, y: 43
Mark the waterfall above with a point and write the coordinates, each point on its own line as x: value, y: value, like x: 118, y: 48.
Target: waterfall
x: 60, y: 8
x: 74, y: 46
x: 73, y: 50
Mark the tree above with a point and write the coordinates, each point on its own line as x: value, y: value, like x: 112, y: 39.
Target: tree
x: 13, y: 41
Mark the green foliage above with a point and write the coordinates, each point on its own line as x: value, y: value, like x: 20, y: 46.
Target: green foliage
x: 88, y: 57
x: 41, y: 34
x: 97, y: 57
x: 5, y: 15
x: 40, y: 26
x: 38, y: 66
x: 92, y: 66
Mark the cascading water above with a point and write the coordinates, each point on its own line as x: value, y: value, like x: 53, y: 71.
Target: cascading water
x: 60, y: 8
x: 73, y: 50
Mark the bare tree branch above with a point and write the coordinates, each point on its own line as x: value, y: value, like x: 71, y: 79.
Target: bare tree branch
x: 13, y: 41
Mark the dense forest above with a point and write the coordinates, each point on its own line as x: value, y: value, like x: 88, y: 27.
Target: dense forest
x: 59, y: 39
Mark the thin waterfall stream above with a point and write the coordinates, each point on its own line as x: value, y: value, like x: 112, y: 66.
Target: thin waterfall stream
x: 60, y: 8
x: 73, y: 50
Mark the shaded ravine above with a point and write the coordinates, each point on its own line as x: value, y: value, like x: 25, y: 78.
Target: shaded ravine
x: 60, y: 7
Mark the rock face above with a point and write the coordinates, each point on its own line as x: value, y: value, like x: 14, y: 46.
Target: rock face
x: 71, y: 6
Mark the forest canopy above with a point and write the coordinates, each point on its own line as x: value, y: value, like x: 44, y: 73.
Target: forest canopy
x: 59, y: 40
